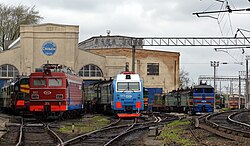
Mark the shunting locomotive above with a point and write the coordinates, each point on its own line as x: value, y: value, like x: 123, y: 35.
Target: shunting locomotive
x: 55, y: 91
x: 15, y: 95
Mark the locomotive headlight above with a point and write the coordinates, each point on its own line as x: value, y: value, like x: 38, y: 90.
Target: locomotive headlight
x: 59, y: 96
x: 139, y: 96
x: 138, y: 105
x: 35, y: 96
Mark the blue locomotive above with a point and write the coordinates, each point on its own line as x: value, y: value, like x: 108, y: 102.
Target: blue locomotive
x: 203, y: 98
x: 199, y: 99
x: 122, y: 96
x: 128, y: 95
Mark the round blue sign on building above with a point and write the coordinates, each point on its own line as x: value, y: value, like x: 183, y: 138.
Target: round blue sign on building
x: 49, y: 48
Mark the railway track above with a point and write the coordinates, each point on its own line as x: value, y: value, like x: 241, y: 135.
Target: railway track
x: 225, y: 125
x: 29, y: 131
x: 37, y: 133
x: 100, y: 136
x: 243, y: 117
x: 112, y: 134
x: 12, y: 131
x: 135, y: 133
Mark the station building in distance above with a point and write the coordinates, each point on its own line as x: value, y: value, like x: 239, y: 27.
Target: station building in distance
x: 99, y: 57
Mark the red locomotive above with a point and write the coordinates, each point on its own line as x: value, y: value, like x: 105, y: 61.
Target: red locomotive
x: 55, y: 91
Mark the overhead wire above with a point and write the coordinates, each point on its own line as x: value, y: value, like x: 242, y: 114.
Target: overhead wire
x: 222, y: 26
x: 229, y: 18
x: 212, y: 5
x: 225, y: 24
x: 218, y: 21
x: 231, y: 2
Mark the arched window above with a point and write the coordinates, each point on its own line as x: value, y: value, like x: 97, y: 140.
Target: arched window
x: 8, y: 70
x: 90, y: 70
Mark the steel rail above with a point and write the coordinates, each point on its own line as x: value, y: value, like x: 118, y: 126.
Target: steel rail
x: 92, y: 132
x: 145, y: 125
x: 247, y: 126
x: 112, y: 124
x: 20, y: 133
x: 54, y: 134
x: 118, y: 136
x: 220, y: 127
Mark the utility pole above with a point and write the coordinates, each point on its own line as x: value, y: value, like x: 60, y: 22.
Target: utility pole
x: 239, y: 91
x: 247, y: 83
x: 242, y: 75
x: 133, y: 58
x: 134, y: 43
x: 214, y: 64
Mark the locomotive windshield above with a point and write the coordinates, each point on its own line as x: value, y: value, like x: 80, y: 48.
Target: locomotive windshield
x: 208, y: 90
x: 39, y: 82
x: 55, y: 82
x: 24, y: 81
x: 203, y: 90
x: 198, y: 90
x: 128, y: 86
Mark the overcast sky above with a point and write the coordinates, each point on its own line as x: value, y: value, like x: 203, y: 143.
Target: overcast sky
x: 148, y: 18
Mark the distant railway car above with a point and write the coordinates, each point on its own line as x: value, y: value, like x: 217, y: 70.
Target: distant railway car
x: 55, y: 91
x: 159, y: 102
x: 99, y: 96
x: 123, y: 95
x: 179, y: 101
x: 234, y: 101
x: 219, y: 101
x: 90, y: 94
x: 242, y: 102
x: 15, y: 95
x: 7, y: 95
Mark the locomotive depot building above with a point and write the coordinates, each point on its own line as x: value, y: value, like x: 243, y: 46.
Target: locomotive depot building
x: 96, y: 58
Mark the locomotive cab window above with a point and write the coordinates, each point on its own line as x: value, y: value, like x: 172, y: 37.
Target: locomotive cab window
x: 24, y: 81
x: 128, y: 86
x: 55, y: 82
x: 208, y: 90
x: 122, y: 86
x: 39, y: 82
x: 198, y: 90
x: 134, y: 86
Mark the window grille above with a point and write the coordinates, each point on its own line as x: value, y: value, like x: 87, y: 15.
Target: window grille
x: 90, y: 70
x: 153, y: 69
x: 8, y: 70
